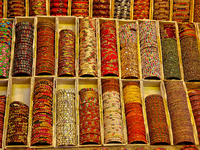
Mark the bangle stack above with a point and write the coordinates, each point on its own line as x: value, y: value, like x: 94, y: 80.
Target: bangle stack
x: 45, y: 47
x: 156, y: 118
x: 89, y: 117
x: 122, y: 9
x: 141, y: 9
x: 179, y: 113
x: 2, y: 112
x: 66, y: 59
x: 109, y: 57
x: 59, y: 7
x: 88, y: 47
x: 5, y: 47
x: 80, y: 8
x: 42, y: 124
x: 37, y: 7
x: 66, y: 118
x: 101, y: 8
x: 17, y: 124
x: 170, y: 52
x: 1, y: 8
x: 196, y: 11
x: 149, y: 50
x: 161, y: 9
x: 16, y: 8
x: 23, y: 57
x: 112, y: 114
x: 134, y: 114
x: 189, y: 51
x: 129, y: 51
x: 181, y: 10
x: 194, y: 95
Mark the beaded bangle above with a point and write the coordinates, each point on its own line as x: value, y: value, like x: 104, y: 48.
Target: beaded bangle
x: 45, y: 55
x: 160, y: 134
x: 66, y: 116
x: 112, y: 112
x: 42, y: 113
x: 179, y: 113
x: 79, y: 8
x: 149, y: 50
x: 89, y: 116
x: 24, y: 57
x: 66, y: 63
x: 5, y: 47
x: 16, y: 8
x: 17, y: 124
x: 88, y: 52
x: 109, y: 61
x: 37, y: 7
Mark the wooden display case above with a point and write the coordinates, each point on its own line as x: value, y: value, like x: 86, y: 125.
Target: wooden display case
x: 22, y: 88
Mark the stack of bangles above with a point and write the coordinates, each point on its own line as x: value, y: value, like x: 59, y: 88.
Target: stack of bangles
x: 2, y: 114
x: 161, y: 10
x: 37, y: 7
x: 45, y: 47
x: 89, y: 117
x: 16, y: 8
x: 129, y: 51
x: 194, y: 95
x: 181, y: 10
x: 65, y: 118
x: 189, y: 51
x: 156, y: 118
x: 66, y: 60
x: 169, y: 52
x: 17, y: 124
x: 122, y: 9
x: 42, y: 124
x: 134, y: 114
x: 5, y: 47
x: 197, y: 11
x: 1, y: 8
x: 58, y: 7
x: 149, y: 50
x: 23, y: 55
x: 80, y: 8
x: 180, y: 117
x: 101, y: 8
x: 109, y: 57
x: 88, y: 49
x: 141, y: 9
x: 112, y: 114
